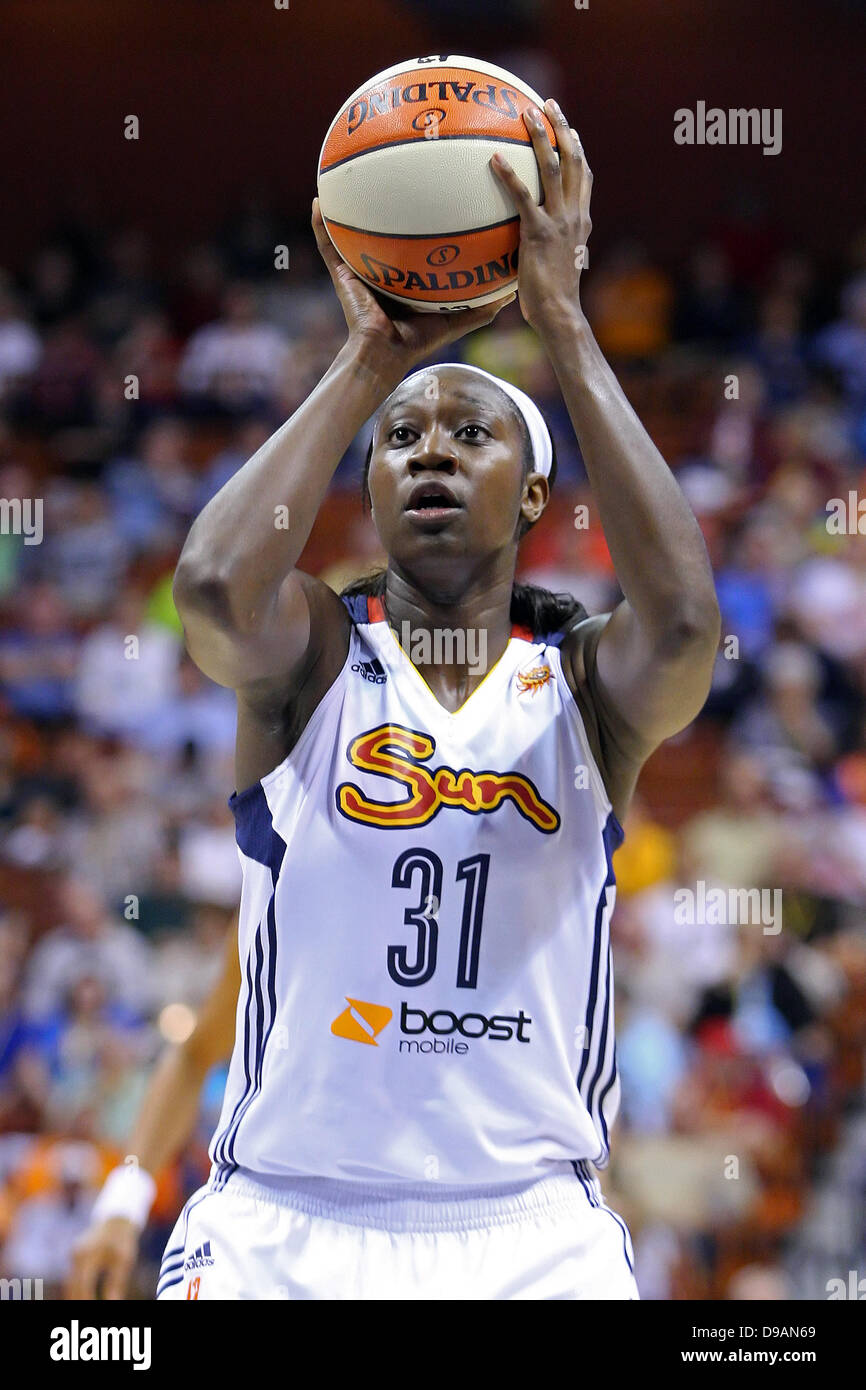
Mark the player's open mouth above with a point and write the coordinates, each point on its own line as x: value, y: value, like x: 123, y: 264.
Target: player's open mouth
x: 432, y: 502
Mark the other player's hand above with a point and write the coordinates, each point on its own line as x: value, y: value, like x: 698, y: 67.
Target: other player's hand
x: 106, y: 1252
x: 553, y: 235
x: 402, y: 337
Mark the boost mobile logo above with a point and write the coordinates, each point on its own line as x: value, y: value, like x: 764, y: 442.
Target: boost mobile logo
x: 362, y: 1022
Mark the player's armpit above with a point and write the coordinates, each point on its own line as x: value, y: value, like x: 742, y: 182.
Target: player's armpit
x: 618, y: 750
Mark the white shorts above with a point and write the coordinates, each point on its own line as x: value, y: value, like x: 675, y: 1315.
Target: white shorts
x: 315, y: 1238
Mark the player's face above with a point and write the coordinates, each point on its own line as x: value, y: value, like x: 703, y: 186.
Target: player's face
x: 446, y: 472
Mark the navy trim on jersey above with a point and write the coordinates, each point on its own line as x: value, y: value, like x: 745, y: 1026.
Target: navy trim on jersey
x: 581, y: 1168
x: 625, y: 1236
x: 612, y: 838
x: 584, y: 1180
x: 258, y: 840
x: 357, y: 606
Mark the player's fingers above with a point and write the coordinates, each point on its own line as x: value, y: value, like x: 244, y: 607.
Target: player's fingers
x: 585, y: 183
x: 327, y: 249
x: 523, y: 199
x: 485, y: 313
x: 548, y: 160
x: 568, y: 144
x: 455, y: 325
x: 350, y: 289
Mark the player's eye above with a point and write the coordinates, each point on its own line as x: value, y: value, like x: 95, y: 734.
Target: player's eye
x: 481, y: 432
x: 403, y: 430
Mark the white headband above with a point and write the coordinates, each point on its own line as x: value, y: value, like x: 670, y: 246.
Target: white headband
x: 539, y: 434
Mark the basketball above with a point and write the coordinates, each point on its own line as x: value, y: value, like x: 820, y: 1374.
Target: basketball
x: 405, y: 187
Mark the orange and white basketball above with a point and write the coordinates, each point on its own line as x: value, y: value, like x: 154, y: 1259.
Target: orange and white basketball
x: 405, y: 187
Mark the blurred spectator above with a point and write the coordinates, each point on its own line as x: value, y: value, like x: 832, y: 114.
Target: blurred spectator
x: 247, y: 439
x: 46, y: 1224
x: 90, y: 942
x: 778, y: 348
x: 127, y: 671
x: 38, y: 654
x: 54, y: 289
x: 842, y: 344
x: 629, y: 302
x: 118, y: 834
x: 787, y: 730
x: 202, y: 716
x: 708, y: 308
x: 196, y: 297
x: 209, y: 866
x: 83, y: 552
x: 739, y: 840
x: 20, y: 346
x: 149, y: 351
x: 62, y: 391
x: 237, y: 362
x: 154, y: 495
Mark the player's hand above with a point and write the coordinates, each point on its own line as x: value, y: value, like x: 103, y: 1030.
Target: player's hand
x: 553, y: 236
x: 106, y: 1252
x: 402, y: 337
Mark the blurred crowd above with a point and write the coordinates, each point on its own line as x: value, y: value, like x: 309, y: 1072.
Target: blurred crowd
x: 131, y: 388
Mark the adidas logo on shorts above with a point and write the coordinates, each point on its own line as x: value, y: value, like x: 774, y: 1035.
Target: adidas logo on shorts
x: 199, y: 1257
x: 371, y: 671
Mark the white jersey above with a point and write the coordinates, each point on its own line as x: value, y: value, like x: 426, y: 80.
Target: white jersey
x: 426, y: 972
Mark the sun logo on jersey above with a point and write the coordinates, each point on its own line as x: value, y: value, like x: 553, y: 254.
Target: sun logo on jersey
x: 392, y: 751
x: 533, y: 680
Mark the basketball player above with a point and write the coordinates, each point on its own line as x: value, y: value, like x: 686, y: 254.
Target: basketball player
x: 424, y: 1075
x: 104, y: 1256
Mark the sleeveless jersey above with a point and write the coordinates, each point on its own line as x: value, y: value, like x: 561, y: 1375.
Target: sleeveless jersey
x: 426, y: 968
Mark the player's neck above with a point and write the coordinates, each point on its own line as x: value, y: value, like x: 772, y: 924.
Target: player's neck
x: 453, y: 642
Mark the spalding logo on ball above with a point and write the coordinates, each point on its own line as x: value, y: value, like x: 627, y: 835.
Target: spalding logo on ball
x: 405, y: 187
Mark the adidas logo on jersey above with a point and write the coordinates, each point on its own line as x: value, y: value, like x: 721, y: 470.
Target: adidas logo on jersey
x: 199, y: 1257
x: 371, y: 671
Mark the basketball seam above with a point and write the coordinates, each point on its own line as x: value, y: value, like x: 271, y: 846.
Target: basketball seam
x: 492, y: 139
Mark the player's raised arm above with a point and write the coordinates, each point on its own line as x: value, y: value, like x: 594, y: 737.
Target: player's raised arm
x: 655, y: 655
x: 245, y: 609
x: 107, y: 1251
